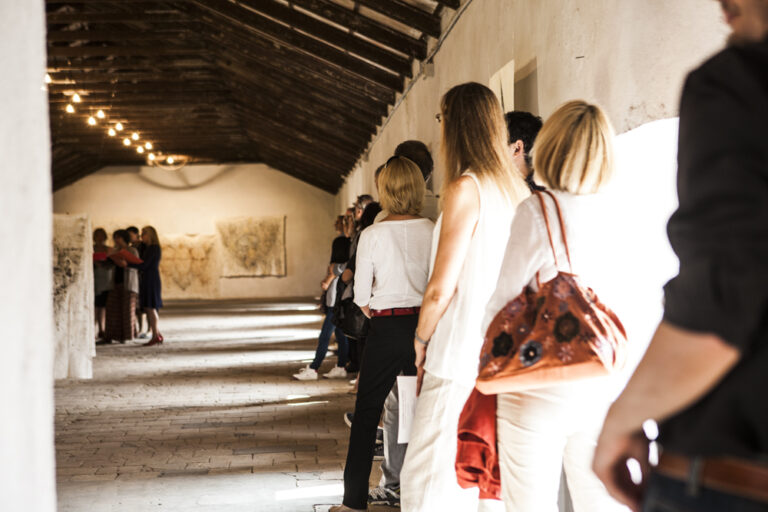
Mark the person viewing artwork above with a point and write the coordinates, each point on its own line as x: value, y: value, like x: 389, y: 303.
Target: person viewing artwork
x: 136, y: 242
x: 103, y: 276
x: 121, y: 300
x: 339, y: 256
x: 482, y: 188
x: 150, y: 294
x: 543, y: 430
x: 392, y: 267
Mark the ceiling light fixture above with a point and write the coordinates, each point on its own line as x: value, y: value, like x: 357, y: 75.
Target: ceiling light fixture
x: 76, y: 98
x: 47, y: 78
x: 100, y: 114
x: 148, y: 145
x: 135, y: 136
x: 140, y: 149
x: 70, y: 109
x: 119, y: 127
x: 92, y: 121
x: 126, y: 141
x: 112, y: 132
x: 151, y: 157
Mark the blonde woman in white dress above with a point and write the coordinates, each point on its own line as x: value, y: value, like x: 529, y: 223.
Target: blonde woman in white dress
x: 482, y: 188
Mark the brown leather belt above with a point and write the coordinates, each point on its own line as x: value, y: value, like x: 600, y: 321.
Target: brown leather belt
x: 395, y: 311
x: 733, y: 476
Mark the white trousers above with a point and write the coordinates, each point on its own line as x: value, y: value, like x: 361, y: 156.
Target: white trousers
x: 428, y: 480
x: 544, y: 431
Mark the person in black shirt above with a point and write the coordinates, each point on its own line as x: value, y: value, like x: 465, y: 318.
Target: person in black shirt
x: 706, y: 371
x: 522, y: 129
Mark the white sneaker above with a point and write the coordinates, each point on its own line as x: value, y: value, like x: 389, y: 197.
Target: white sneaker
x: 353, y: 382
x: 337, y: 373
x: 306, y: 373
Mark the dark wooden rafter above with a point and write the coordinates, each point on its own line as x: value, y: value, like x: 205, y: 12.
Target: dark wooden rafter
x: 407, y: 14
x: 235, y: 14
x: 299, y: 85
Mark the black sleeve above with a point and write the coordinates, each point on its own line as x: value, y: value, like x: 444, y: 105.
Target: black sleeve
x: 340, y: 250
x: 720, y: 230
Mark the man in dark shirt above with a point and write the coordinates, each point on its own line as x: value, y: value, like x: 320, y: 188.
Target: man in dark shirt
x: 522, y: 129
x: 705, y: 375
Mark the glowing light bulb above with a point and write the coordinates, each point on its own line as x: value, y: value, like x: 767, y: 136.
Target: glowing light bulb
x: 148, y: 145
x: 126, y: 141
x: 112, y: 132
x: 119, y: 127
x: 100, y: 114
x: 70, y: 109
x: 91, y: 120
x: 76, y: 98
x: 151, y: 156
x: 170, y: 160
x: 139, y: 150
x: 135, y: 136
x: 48, y: 78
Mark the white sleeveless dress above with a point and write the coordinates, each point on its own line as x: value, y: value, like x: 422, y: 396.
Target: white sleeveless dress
x: 428, y: 479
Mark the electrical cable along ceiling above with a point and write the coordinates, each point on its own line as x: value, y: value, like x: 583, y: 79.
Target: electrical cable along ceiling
x: 300, y: 85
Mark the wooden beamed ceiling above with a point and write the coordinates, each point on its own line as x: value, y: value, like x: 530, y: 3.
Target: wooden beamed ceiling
x: 300, y: 85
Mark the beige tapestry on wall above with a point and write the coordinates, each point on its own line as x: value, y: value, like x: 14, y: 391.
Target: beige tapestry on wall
x: 189, y: 267
x: 253, y: 247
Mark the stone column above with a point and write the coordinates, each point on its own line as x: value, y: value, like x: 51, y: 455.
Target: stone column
x: 73, y: 309
x: 27, y: 475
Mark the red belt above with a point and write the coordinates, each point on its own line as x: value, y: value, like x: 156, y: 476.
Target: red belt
x: 733, y: 476
x: 395, y: 311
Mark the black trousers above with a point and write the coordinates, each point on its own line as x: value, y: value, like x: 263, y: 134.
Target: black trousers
x: 388, y: 351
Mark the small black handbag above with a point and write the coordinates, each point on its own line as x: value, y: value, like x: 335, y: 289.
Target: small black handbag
x: 348, y: 316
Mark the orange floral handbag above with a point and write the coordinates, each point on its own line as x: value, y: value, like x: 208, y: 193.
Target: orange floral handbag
x: 560, y: 333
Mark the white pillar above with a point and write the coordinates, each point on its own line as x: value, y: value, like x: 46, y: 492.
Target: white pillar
x: 27, y: 475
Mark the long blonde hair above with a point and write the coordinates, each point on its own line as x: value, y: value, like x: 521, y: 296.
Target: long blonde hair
x: 154, y: 239
x: 475, y: 138
x: 574, y: 149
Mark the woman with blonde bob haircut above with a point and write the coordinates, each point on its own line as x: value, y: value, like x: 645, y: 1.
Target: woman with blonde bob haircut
x: 391, y: 273
x: 401, y: 187
x: 574, y: 151
x: 542, y: 431
x: 481, y: 190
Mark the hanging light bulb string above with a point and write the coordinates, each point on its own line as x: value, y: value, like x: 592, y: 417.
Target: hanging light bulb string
x: 153, y: 157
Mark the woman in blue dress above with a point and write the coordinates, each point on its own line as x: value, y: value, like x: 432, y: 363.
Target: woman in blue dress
x: 150, y: 291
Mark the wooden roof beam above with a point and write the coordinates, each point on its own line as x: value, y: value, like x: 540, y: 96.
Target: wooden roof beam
x: 406, y: 14
x: 331, y: 34
x: 282, y: 35
x: 367, y: 27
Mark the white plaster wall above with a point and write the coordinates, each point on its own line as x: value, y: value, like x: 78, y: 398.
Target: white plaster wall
x: 26, y: 309
x: 630, y: 56
x: 190, y: 201
x: 73, y: 311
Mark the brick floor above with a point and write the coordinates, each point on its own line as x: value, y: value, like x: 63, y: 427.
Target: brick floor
x: 209, y: 421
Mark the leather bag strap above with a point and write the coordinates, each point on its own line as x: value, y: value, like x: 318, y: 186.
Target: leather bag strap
x: 549, y: 228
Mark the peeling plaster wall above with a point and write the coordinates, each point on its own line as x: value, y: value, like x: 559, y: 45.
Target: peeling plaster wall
x: 26, y: 307
x: 630, y: 56
x: 73, y: 308
x: 192, y: 200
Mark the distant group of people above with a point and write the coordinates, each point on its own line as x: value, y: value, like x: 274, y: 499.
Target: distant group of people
x: 518, y: 199
x: 127, y: 285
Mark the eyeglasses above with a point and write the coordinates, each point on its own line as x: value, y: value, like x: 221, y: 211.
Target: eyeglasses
x: 439, y: 118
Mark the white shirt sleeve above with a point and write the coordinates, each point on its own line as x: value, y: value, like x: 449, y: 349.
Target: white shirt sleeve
x: 527, y: 251
x: 364, y: 269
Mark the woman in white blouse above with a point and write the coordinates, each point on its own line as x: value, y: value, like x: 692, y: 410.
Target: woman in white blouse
x: 390, y: 278
x: 482, y: 188
x: 543, y: 430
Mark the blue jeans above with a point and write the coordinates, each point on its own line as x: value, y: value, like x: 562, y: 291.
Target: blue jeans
x: 325, y: 337
x: 671, y: 495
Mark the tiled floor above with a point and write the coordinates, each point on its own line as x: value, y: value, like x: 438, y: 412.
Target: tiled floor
x: 209, y: 421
